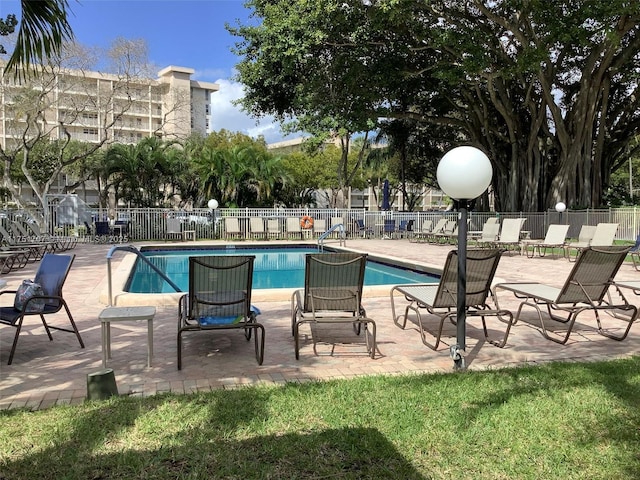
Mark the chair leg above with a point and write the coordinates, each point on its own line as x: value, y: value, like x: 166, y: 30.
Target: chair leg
x: 179, y: 349
x: 15, y: 341
x: 259, y: 343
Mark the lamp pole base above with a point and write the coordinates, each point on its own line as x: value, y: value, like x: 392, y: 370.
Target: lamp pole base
x: 458, y: 354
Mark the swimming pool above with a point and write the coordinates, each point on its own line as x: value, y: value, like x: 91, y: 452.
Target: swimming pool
x: 277, y: 267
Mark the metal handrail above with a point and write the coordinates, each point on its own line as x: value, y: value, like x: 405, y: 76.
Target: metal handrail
x: 333, y: 228
x: 133, y: 249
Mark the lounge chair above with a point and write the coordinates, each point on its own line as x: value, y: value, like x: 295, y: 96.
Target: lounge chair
x: 174, y: 229
x: 319, y: 226
x: 337, y: 221
x: 634, y: 252
x: 36, y: 249
x: 509, y: 238
x: 332, y: 294
x: 584, y: 289
x: 438, y: 228
x: 448, y: 235
x: 440, y: 299
x: 256, y: 227
x: 584, y: 238
x: 293, y: 227
x: 556, y: 237
x: 273, y: 228
x: 232, y: 227
x: 64, y: 242
x: 489, y: 234
x: 13, y: 259
x: 51, y: 275
x: 219, y: 298
x: 421, y: 234
x: 603, y: 236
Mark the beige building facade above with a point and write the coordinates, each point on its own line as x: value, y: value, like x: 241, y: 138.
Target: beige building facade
x: 98, y: 107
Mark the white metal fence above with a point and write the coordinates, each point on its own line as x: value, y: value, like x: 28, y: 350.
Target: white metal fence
x: 151, y: 223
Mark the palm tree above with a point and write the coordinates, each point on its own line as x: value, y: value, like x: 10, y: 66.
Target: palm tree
x: 43, y: 30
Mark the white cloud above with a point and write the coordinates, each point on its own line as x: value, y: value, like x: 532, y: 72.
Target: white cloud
x: 224, y: 114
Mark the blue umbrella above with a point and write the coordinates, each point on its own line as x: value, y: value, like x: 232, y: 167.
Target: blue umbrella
x: 385, y: 195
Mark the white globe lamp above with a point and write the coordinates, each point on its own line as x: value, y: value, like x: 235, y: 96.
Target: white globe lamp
x: 560, y: 207
x: 464, y: 173
x: 212, y: 204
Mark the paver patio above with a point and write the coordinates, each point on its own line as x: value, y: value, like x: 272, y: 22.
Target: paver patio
x: 46, y: 373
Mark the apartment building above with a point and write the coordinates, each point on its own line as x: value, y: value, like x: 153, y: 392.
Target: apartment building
x: 98, y: 107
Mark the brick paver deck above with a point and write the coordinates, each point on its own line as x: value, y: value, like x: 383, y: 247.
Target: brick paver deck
x: 46, y: 373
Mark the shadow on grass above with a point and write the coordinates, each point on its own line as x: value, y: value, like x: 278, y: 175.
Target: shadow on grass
x: 526, y: 422
x: 208, y: 437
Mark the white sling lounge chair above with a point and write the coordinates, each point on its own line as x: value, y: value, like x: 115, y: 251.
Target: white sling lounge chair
x: 585, y: 289
x: 440, y: 299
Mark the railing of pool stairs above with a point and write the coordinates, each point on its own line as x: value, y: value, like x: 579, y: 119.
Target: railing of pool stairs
x: 339, y: 230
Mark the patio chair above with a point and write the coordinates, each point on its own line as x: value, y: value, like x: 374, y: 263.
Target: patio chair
x: 332, y: 294
x: 11, y: 259
x: 448, y: 234
x: 488, y: 235
x: 51, y: 275
x: 256, y: 227
x: 103, y: 232
x: 584, y: 289
x: 362, y: 229
x: 437, y: 229
x: 36, y: 249
x: 319, y: 226
x: 232, y: 227
x: 174, y: 229
x: 509, y: 238
x: 337, y: 221
x: 405, y: 228
x: 293, y: 227
x: 424, y: 230
x: 441, y: 299
x: 556, y: 237
x: 603, y: 236
x: 389, y: 228
x: 584, y: 237
x: 273, y: 228
x: 64, y: 242
x: 634, y: 252
x: 219, y: 298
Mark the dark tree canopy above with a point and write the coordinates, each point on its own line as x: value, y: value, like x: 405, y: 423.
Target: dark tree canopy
x: 549, y: 90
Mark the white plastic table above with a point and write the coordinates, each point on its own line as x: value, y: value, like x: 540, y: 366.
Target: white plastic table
x: 125, y: 314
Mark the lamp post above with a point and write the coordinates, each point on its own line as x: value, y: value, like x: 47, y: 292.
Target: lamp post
x: 560, y: 207
x: 213, y: 204
x: 464, y: 173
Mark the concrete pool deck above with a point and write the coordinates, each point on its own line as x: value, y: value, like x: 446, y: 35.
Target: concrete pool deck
x: 46, y: 373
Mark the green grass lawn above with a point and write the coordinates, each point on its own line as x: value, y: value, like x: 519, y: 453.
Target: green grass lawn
x: 563, y: 420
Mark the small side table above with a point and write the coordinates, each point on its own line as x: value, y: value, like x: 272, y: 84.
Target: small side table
x: 189, y: 235
x: 124, y: 314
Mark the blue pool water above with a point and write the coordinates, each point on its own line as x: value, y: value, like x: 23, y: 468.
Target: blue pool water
x: 273, y: 268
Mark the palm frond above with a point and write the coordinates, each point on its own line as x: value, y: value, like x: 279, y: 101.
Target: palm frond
x: 43, y: 29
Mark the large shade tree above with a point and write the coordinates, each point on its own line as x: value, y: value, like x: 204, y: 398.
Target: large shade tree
x: 548, y: 89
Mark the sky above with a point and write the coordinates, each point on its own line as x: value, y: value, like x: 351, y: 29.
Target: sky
x: 185, y: 33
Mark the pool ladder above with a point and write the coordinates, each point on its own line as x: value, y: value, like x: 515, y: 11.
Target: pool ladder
x: 132, y: 249
x: 341, y: 235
